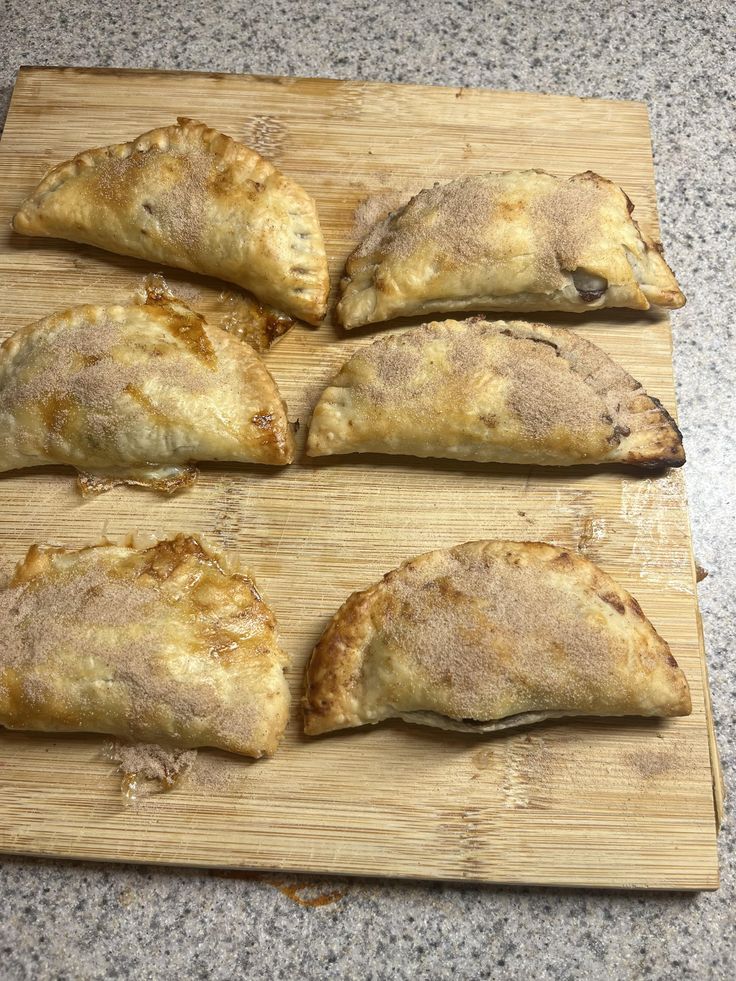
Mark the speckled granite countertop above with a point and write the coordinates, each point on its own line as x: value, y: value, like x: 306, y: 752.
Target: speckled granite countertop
x: 64, y: 920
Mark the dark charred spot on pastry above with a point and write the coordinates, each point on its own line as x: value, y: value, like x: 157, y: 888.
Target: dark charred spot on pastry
x: 490, y: 420
x: 147, y: 207
x: 263, y: 420
x: 619, y: 431
x: 543, y: 340
x: 564, y: 559
x: 613, y: 601
x: 635, y: 608
x: 668, y: 418
x: 590, y: 287
x: 606, y: 417
x: 671, y: 661
x: 629, y: 202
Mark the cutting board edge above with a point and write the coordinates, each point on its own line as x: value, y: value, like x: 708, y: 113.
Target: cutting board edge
x: 25, y: 69
x: 710, y: 881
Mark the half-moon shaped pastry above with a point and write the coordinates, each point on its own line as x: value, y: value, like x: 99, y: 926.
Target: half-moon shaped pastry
x: 134, y: 394
x: 166, y: 645
x: 520, y: 240
x: 190, y: 197
x: 504, y: 392
x: 488, y: 636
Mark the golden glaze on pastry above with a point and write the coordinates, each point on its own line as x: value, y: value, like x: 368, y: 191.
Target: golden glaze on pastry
x: 190, y: 197
x: 487, y: 636
x: 504, y: 392
x: 520, y: 240
x: 135, y: 394
x: 159, y: 645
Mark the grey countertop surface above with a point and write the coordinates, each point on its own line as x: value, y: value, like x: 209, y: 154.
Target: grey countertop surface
x: 65, y: 920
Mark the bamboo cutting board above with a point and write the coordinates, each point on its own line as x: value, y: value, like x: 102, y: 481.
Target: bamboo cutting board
x: 602, y: 803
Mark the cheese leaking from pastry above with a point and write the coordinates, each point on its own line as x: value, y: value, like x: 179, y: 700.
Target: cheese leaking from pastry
x: 167, y: 645
x: 190, y: 197
x: 488, y: 636
x: 503, y: 392
x: 135, y: 394
x: 519, y: 240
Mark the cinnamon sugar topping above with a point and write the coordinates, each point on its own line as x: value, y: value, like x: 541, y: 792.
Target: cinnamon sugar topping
x: 495, y: 218
x: 142, y: 643
x: 489, y: 627
x: 451, y: 363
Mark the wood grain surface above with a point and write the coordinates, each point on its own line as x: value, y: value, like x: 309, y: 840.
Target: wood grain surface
x: 624, y: 803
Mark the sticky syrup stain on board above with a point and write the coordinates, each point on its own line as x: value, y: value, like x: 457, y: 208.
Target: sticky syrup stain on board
x: 255, y: 323
x: 153, y: 288
x: 237, y: 312
x: 304, y: 892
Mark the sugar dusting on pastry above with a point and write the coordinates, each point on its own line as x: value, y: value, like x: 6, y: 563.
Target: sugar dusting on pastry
x: 160, y: 636
x: 171, y: 186
x: 448, y: 216
x: 485, y: 629
x: 473, y: 353
x: 97, y: 359
x: 566, y: 219
x: 376, y: 207
x: 459, y: 222
x: 546, y: 398
x: 523, y: 627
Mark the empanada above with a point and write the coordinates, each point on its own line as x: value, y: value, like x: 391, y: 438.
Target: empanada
x: 190, y: 197
x: 488, y: 636
x: 164, y: 645
x: 504, y: 392
x: 520, y: 240
x: 134, y: 394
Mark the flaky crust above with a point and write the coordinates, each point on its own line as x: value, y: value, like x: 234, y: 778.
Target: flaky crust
x: 508, y: 392
x: 136, y: 394
x: 191, y: 197
x: 520, y: 240
x: 159, y: 645
x: 490, y: 635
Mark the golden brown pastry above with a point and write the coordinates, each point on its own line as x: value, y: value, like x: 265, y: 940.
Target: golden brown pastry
x: 135, y: 394
x: 190, y: 197
x: 487, y: 636
x: 520, y: 240
x: 504, y: 392
x: 166, y: 645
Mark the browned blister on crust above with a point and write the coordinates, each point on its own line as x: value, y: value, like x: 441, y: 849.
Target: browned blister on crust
x: 520, y: 240
x: 504, y: 392
x: 168, y: 645
x: 191, y: 197
x: 487, y: 636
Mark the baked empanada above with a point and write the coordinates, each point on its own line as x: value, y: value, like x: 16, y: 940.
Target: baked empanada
x: 167, y: 645
x: 520, y: 240
x: 504, y: 392
x: 190, y: 197
x: 134, y: 394
x: 488, y: 636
